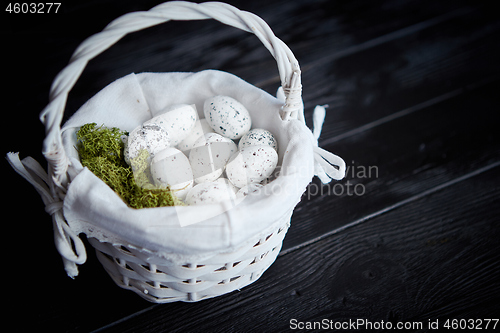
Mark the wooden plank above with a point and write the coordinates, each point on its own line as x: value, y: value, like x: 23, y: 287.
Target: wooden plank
x: 401, y: 158
x: 433, y: 259
x: 372, y: 83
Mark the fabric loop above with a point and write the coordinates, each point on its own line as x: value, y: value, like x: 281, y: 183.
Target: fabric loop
x: 64, y: 237
x: 327, y: 166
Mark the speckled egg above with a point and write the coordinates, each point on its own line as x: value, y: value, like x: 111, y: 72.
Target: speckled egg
x: 252, y: 164
x: 210, y: 155
x: 170, y: 167
x: 226, y: 181
x: 250, y: 188
x: 200, y: 128
x: 258, y: 137
x: 209, y: 193
x: 177, y: 120
x: 227, y: 116
x: 152, y: 138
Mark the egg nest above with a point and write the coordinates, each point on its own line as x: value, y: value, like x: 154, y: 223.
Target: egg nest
x: 101, y: 151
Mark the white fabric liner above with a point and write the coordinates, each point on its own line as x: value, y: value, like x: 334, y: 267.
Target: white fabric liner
x: 184, y: 232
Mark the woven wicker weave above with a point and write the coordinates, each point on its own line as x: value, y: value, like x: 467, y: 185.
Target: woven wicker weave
x: 155, y: 277
x: 156, y: 281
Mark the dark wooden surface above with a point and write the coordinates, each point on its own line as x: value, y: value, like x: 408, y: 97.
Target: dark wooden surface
x: 413, y: 92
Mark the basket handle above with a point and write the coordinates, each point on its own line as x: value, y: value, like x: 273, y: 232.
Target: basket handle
x: 52, y: 115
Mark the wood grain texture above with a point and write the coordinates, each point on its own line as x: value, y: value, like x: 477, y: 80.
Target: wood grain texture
x: 412, y: 89
x: 370, y: 83
x: 402, y: 158
x: 433, y: 258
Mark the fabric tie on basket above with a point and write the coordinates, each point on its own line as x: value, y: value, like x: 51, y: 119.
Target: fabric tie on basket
x: 327, y: 166
x: 64, y: 237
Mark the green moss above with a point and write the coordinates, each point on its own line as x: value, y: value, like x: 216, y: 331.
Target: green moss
x: 101, y: 151
x: 141, y: 170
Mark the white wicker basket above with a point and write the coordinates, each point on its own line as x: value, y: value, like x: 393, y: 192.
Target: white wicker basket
x: 161, y: 282
x: 156, y: 276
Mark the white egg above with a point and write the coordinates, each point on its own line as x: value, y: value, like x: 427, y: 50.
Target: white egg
x: 209, y: 193
x: 170, y: 167
x: 226, y: 181
x: 252, y: 164
x: 258, y: 137
x: 200, y: 128
x: 227, y: 116
x: 209, y: 156
x: 250, y: 188
x: 176, y: 120
x: 152, y: 138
